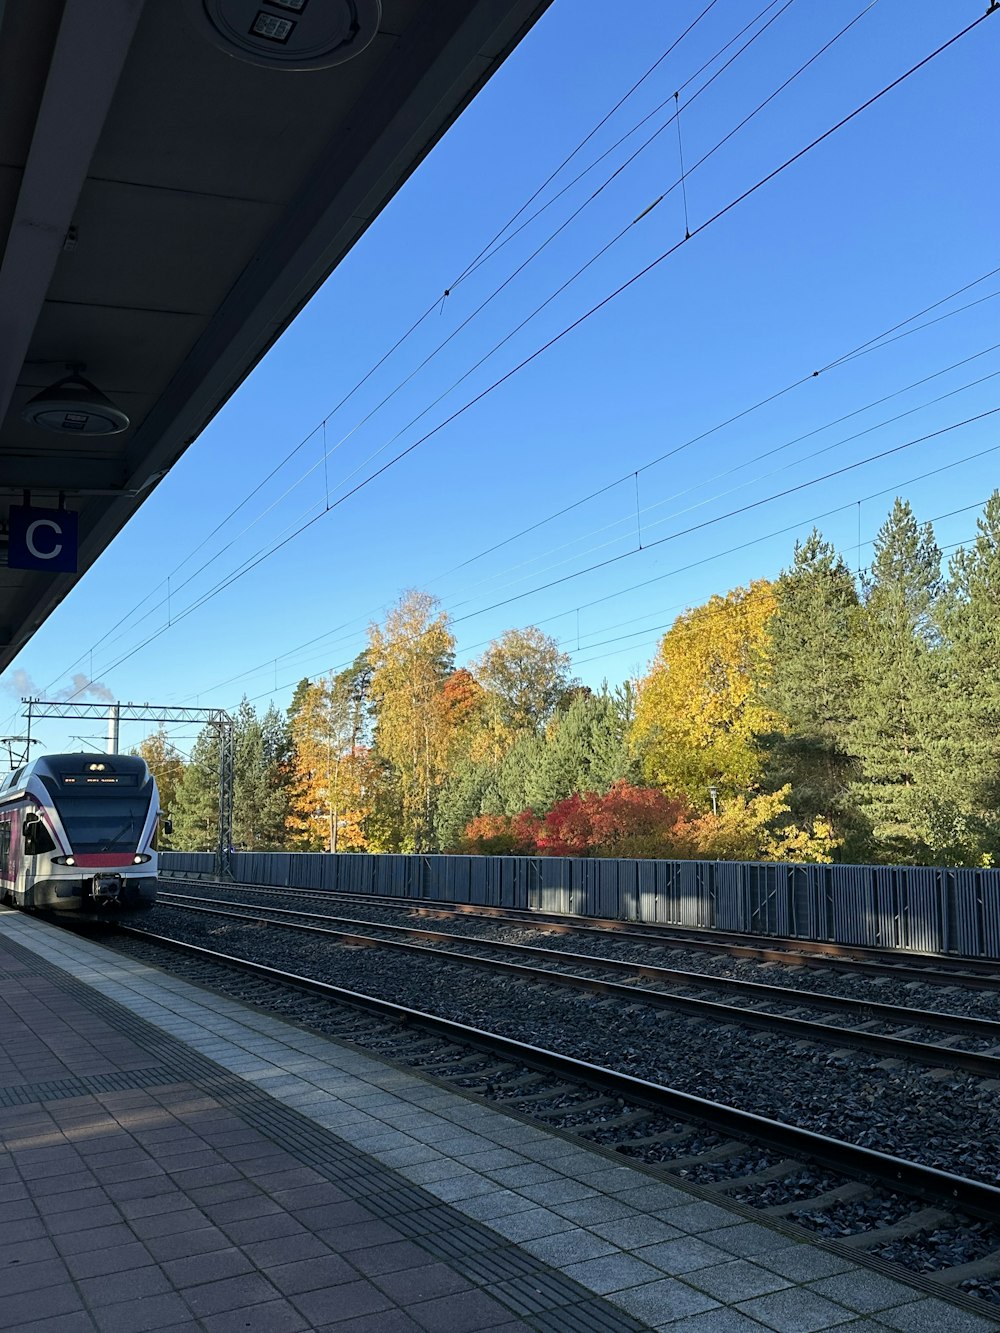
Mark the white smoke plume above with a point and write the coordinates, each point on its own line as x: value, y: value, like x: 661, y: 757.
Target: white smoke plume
x: 80, y: 688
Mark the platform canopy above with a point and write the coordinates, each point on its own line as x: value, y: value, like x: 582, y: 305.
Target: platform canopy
x: 177, y: 177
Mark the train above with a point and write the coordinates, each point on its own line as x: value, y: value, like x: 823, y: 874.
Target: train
x: 78, y: 835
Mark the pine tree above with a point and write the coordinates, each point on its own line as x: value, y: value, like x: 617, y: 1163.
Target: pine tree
x: 196, y: 804
x: 895, y: 713
x: 262, y: 773
x: 967, y: 814
x: 812, y: 689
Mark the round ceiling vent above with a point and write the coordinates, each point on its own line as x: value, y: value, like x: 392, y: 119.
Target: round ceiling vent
x: 291, y: 34
x: 74, y: 406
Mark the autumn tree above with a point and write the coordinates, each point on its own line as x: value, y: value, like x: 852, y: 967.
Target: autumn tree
x: 332, y: 778
x: 411, y: 657
x: 701, y: 708
x: 167, y: 766
x: 525, y: 676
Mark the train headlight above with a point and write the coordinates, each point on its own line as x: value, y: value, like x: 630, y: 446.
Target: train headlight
x: 64, y: 860
x: 139, y: 860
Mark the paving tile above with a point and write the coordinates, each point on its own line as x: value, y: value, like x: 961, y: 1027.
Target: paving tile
x: 750, y: 1240
x: 270, y: 1317
x: 100, y: 1238
x: 736, y: 1280
x: 864, y: 1291
x: 423, y: 1282
x: 631, y: 1233
x: 805, y: 1263
x: 797, y: 1310
x: 207, y: 1267
x: 503, y: 1203
x: 77, y: 1322
x: 652, y: 1198
x: 683, y: 1255
x: 231, y: 1293
x: 933, y: 1316
x: 467, y: 1311
x: 527, y: 1173
x: 568, y: 1247
x: 557, y: 1191
x: 311, y: 1274
x: 342, y: 1240
x: 182, y: 1244
x: 134, y: 1284
x: 388, y: 1258
x: 599, y: 1208
x: 286, y: 1249
x: 531, y: 1224
x: 467, y: 1186
x: 346, y: 1300
x: 143, y: 1312
x: 716, y: 1321
x: 697, y: 1216
x: 15, y: 1278
x: 268, y: 1227
x: 118, y: 1259
x: 332, y: 1214
x: 657, y: 1303
x: 180, y: 1221
x: 385, y: 1321
x: 60, y: 1300
x: 71, y: 1201
x: 242, y: 1210
x: 614, y: 1272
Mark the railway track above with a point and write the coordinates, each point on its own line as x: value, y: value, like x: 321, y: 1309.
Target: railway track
x: 932, y: 969
x: 747, y: 1003
x: 877, y: 1206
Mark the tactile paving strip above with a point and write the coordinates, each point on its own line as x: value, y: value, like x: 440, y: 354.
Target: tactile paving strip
x: 514, y: 1277
x: 23, y: 1094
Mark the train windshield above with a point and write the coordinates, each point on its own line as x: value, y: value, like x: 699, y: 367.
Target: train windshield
x: 101, y: 820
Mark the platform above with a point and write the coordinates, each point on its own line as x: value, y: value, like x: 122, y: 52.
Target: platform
x: 173, y: 1160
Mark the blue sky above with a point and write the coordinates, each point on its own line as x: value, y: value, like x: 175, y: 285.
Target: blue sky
x: 891, y: 214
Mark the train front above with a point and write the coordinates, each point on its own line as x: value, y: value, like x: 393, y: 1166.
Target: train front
x: 93, y: 841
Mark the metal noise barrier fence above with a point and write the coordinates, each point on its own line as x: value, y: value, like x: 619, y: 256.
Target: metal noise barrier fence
x: 923, y: 908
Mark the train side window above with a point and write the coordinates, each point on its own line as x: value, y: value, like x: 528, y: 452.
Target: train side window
x: 4, y: 846
x: 37, y: 838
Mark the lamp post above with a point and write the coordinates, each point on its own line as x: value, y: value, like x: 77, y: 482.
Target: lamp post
x: 714, y: 793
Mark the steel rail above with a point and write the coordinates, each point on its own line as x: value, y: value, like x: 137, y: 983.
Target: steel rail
x: 976, y: 1197
x: 978, y: 973
x: 863, y: 1010
x: 973, y: 1062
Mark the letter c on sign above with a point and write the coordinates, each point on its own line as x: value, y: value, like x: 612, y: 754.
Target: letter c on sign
x: 30, y: 538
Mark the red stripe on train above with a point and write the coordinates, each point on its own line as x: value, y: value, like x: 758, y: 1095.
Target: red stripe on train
x: 103, y: 860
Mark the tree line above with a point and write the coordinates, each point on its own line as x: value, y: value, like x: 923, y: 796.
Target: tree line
x: 821, y: 715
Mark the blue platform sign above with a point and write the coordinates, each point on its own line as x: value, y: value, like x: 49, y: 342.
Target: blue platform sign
x: 42, y: 539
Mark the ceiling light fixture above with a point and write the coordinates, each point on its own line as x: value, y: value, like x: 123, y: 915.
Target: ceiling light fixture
x: 74, y: 406
x: 289, y: 34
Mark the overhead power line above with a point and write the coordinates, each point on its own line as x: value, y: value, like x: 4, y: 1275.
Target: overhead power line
x: 575, y: 324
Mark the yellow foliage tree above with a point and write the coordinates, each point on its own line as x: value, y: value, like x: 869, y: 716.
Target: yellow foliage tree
x: 700, y: 707
x: 754, y: 828
x: 331, y: 780
x: 411, y: 657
